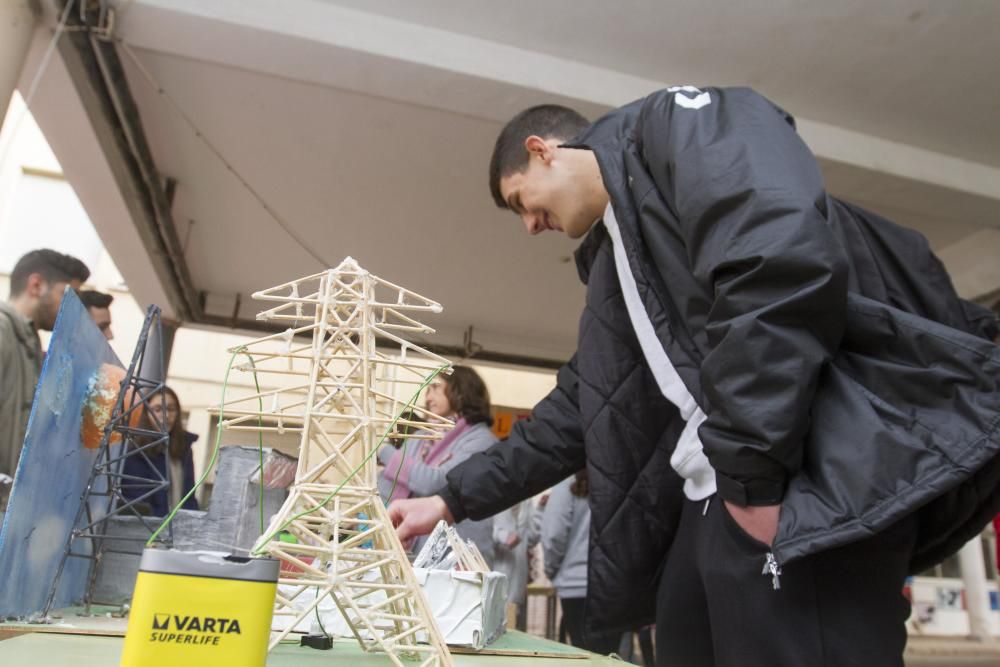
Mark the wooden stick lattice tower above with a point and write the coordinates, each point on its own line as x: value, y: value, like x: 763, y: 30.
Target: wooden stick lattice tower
x: 341, y: 394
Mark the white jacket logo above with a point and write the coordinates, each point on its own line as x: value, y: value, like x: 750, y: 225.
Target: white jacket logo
x: 698, y: 101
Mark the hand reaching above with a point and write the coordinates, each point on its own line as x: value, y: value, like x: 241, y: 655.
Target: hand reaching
x: 418, y: 516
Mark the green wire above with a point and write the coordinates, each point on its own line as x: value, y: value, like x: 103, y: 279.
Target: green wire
x: 395, y: 478
x: 260, y: 435
x: 318, y: 619
x: 392, y: 425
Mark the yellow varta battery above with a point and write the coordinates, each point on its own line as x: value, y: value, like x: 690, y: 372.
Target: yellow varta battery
x: 195, y: 608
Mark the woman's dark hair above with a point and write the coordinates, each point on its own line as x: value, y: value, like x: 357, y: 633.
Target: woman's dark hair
x: 581, y: 485
x: 177, y: 442
x: 405, y: 429
x: 468, y: 395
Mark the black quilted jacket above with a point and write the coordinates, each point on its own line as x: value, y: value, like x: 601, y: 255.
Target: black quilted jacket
x: 835, y: 364
x: 608, y: 412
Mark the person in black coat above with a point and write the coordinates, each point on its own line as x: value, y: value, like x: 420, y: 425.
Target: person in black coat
x: 171, y: 461
x: 783, y: 406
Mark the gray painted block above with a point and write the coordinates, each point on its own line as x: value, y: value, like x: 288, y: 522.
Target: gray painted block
x: 231, y: 524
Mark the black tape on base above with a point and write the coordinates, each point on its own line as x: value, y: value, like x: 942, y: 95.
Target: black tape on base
x: 319, y: 642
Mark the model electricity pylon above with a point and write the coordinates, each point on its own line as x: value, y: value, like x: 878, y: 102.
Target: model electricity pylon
x: 344, y: 396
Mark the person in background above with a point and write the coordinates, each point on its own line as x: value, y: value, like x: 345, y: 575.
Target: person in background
x: 99, y: 306
x: 420, y: 470
x: 37, y: 284
x: 172, y: 460
x: 565, y: 534
x: 405, y: 447
x: 515, y: 531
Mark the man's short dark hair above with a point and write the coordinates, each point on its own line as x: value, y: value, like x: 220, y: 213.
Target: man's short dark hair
x: 54, y: 266
x: 94, y: 299
x: 548, y: 121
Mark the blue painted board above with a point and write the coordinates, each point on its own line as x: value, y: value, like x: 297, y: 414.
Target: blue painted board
x: 53, y: 470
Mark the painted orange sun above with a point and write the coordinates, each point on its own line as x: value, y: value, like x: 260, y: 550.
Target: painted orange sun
x: 99, y: 404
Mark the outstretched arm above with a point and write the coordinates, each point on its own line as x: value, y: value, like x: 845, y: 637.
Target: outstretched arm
x: 418, y: 516
x: 538, y: 453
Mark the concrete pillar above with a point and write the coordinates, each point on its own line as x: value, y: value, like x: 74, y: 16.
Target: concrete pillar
x: 160, y: 338
x: 17, y: 24
x: 974, y: 263
x: 977, y: 599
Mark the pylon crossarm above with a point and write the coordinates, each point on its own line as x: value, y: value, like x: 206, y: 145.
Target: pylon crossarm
x: 239, y: 417
x: 261, y: 358
x: 404, y: 321
x: 410, y: 347
x: 249, y: 346
x: 293, y: 390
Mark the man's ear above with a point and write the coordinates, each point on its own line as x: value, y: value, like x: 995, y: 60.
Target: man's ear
x: 35, y: 285
x: 536, y: 146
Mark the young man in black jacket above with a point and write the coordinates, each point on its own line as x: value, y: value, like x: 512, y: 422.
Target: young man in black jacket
x: 783, y: 406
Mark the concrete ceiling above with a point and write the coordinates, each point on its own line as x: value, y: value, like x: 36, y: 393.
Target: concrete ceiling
x: 365, y: 127
x: 917, y: 72
x: 401, y: 188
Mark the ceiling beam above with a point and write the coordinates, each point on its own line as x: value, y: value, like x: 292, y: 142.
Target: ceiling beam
x: 337, y: 47
x: 973, y: 266
x: 100, y: 82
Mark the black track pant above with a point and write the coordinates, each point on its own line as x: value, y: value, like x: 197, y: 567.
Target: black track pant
x: 602, y: 643
x: 840, y: 607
